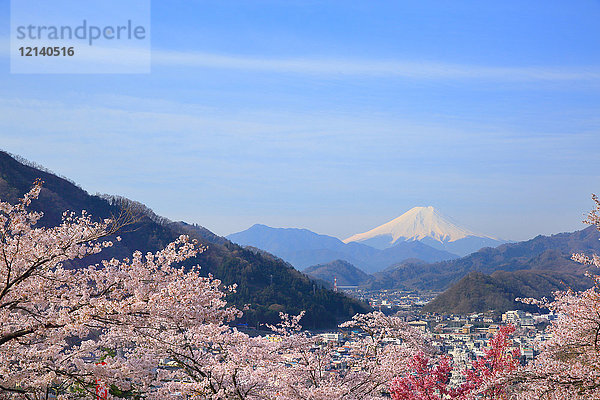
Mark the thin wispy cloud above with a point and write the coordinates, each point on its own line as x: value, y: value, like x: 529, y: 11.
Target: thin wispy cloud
x: 407, y: 69
x: 374, y: 68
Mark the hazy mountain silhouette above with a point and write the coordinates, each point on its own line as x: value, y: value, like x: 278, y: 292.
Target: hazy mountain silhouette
x: 303, y: 248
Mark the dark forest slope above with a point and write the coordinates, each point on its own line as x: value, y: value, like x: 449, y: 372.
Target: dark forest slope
x: 266, y: 283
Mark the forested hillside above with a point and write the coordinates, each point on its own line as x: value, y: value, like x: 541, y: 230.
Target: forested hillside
x: 267, y: 285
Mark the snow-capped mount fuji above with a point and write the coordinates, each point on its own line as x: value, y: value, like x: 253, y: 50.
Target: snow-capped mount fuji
x: 427, y: 225
x: 416, y: 224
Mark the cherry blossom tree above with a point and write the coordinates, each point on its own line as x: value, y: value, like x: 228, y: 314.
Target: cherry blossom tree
x: 490, y: 375
x: 380, y: 351
x: 429, y: 378
x: 169, y: 339
x: 486, y: 378
x: 62, y: 329
x: 568, y: 366
x: 43, y: 306
x: 209, y: 360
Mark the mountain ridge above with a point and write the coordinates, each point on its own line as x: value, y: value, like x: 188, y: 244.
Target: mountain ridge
x: 429, y: 226
x: 545, y: 253
x: 417, y: 224
x: 304, y: 248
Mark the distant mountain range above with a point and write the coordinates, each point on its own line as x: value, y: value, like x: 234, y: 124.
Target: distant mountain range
x: 428, y: 226
x: 489, y: 279
x: 421, y: 233
x: 266, y: 283
x: 303, y: 248
x: 542, y: 253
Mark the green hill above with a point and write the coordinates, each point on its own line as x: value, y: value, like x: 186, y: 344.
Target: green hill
x: 344, y: 272
x: 478, y: 292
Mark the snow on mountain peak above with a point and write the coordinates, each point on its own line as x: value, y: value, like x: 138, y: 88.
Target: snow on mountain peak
x: 416, y: 224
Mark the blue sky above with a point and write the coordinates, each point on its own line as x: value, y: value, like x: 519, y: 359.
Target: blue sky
x: 334, y: 116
